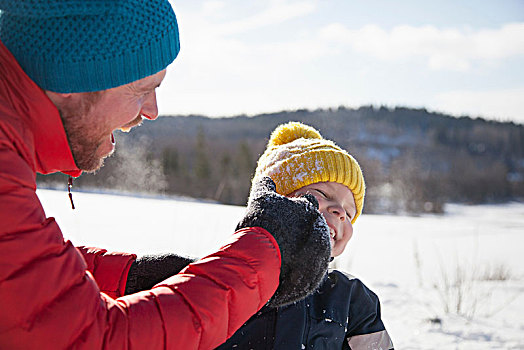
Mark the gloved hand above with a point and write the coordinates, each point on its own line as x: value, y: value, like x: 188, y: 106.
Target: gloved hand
x: 302, y: 235
x: 149, y: 270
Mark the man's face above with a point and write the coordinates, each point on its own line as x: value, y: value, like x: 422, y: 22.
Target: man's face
x: 337, y: 204
x: 90, y: 118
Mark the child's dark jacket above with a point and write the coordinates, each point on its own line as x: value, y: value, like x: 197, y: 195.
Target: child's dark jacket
x: 342, y: 314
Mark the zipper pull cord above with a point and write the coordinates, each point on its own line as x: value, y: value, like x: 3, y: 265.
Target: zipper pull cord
x: 69, y: 185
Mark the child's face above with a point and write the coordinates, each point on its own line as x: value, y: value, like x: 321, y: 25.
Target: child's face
x: 337, y: 205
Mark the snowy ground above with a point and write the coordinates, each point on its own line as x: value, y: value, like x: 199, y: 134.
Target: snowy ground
x: 468, y: 261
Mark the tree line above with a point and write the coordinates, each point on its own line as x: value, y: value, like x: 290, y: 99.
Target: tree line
x: 413, y: 160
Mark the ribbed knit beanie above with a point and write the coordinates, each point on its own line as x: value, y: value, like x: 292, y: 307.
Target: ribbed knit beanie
x: 297, y: 156
x: 89, y: 45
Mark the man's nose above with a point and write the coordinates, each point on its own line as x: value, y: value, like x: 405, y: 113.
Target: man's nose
x: 150, y: 108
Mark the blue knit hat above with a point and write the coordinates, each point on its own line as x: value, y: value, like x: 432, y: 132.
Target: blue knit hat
x: 89, y: 45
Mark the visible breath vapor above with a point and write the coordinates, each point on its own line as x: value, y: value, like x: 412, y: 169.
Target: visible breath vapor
x: 134, y: 169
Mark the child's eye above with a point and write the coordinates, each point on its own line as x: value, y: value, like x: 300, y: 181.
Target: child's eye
x: 321, y: 192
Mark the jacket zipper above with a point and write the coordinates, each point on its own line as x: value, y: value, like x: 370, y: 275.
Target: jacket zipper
x: 69, y: 185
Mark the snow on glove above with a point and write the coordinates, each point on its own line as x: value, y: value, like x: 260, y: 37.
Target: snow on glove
x: 302, y: 235
x: 149, y: 270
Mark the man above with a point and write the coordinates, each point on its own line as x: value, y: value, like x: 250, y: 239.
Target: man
x: 71, y: 72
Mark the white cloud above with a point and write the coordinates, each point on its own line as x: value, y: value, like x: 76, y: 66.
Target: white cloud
x: 228, y: 65
x: 504, y: 104
x: 211, y: 53
x: 449, y: 49
x: 210, y: 7
x: 278, y: 11
x: 505, y: 42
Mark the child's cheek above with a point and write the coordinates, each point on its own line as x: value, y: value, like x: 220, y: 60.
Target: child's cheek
x: 321, y: 205
x: 349, y: 231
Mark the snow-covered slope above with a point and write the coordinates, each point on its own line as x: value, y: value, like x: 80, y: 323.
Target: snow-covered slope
x: 468, y: 261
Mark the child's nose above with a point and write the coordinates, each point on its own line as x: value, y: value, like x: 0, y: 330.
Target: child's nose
x: 339, y: 212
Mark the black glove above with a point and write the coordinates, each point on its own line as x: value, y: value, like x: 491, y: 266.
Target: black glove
x: 302, y: 235
x: 149, y: 270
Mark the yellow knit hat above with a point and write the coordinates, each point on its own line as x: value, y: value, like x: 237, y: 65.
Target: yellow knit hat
x: 297, y: 156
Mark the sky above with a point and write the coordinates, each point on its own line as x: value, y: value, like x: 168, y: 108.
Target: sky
x: 261, y: 56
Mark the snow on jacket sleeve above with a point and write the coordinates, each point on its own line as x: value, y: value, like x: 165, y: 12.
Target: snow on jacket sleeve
x: 49, y: 299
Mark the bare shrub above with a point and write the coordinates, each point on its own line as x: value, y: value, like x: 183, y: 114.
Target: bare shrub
x: 454, y: 288
x: 462, y: 288
x: 496, y: 272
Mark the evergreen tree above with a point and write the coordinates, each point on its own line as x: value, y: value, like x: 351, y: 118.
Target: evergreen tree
x: 202, y: 166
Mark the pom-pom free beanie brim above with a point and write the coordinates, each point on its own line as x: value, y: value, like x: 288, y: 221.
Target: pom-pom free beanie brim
x: 89, y: 45
x: 297, y: 156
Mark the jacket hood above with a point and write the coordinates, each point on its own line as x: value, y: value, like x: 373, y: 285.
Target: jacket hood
x: 35, y: 110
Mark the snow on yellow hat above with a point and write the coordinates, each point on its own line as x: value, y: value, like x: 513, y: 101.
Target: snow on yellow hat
x: 297, y: 156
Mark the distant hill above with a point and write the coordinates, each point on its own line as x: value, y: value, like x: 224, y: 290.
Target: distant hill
x: 413, y: 160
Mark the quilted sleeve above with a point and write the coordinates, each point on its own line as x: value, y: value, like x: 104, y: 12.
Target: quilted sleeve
x: 110, y: 269
x: 49, y: 299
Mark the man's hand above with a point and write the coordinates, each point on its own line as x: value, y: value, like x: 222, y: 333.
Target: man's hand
x: 302, y: 235
x: 149, y: 270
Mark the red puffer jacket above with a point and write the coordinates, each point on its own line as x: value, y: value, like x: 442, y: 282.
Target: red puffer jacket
x: 50, y: 291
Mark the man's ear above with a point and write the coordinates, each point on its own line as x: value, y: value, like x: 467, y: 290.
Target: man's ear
x: 58, y: 97
x: 63, y: 99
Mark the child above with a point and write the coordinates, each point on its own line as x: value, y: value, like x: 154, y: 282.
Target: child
x: 343, y: 313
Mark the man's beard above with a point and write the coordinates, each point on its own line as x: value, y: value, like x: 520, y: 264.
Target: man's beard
x: 84, y: 133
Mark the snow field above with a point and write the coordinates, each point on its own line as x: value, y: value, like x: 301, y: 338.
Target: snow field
x: 469, y: 258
